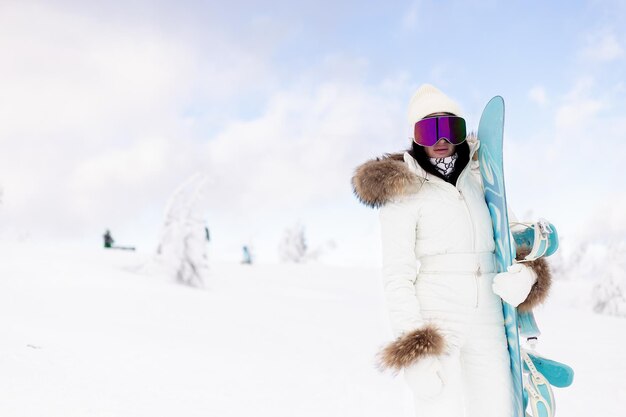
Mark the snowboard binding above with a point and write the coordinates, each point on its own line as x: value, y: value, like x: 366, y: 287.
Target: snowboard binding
x: 537, y: 391
x: 558, y: 374
x: 540, y: 374
x: 540, y: 238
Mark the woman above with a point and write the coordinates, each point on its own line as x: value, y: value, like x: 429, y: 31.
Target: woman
x: 448, y: 320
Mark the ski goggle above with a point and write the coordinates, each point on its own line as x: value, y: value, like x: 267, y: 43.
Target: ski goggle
x: 428, y: 131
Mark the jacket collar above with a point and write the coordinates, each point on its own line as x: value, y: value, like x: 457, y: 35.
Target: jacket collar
x: 414, y: 167
x: 383, y: 179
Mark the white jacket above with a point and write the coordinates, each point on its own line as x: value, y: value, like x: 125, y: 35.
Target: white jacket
x: 424, y: 218
x: 437, y: 219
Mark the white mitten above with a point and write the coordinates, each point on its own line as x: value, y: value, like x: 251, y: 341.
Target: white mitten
x: 425, y: 378
x: 514, y: 285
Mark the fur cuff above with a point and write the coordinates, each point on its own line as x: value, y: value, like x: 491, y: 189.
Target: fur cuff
x: 539, y: 291
x: 412, y: 346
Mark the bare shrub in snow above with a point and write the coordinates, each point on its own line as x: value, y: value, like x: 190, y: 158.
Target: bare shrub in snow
x: 182, y: 247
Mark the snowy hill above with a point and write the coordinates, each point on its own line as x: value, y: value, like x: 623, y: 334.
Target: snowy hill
x: 86, y: 334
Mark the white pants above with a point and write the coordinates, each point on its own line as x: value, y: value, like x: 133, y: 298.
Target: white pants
x: 454, y: 293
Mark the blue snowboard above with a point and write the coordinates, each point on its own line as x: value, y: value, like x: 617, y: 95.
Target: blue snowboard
x: 558, y: 374
x: 490, y: 134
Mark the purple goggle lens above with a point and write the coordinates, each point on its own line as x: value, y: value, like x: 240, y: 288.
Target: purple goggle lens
x: 428, y: 131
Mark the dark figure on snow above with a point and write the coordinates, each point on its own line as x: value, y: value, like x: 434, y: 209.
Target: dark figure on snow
x: 108, y: 239
x: 247, y: 258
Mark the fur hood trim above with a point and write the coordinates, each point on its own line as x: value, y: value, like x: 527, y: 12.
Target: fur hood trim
x: 540, y: 289
x: 382, y: 179
x: 379, y: 180
x: 412, y: 346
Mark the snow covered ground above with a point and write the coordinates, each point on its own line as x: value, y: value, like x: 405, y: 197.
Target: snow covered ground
x: 88, y: 334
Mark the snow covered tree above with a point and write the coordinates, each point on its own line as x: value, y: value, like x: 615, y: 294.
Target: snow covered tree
x: 609, y: 294
x: 182, y: 248
x: 293, y: 246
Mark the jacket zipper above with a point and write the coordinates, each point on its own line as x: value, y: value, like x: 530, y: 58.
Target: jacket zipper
x: 478, y: 272
x: 476, y: 276
x: 471, y: 220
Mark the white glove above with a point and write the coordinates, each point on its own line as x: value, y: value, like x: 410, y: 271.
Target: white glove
x: 425, y: 378
x: 514, y: 285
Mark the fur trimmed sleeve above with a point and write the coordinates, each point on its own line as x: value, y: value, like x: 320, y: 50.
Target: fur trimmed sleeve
x: 416, y: 338
x: 412, y: 346
x: 539, y: 291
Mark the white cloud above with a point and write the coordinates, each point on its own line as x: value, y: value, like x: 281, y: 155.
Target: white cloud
x: 94, y: 131
x: 305, y: 146
x: 538, y: 95
x: 573, y: 117
x: 65, y: 69
x: 411, y: 16
x: 571, y: 172
x: 92, y: 111
x: 602, y: 47
x: 579, y: 111
x: 607, y: 220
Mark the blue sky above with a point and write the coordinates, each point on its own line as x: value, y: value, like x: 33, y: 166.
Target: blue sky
x: 108, y: 106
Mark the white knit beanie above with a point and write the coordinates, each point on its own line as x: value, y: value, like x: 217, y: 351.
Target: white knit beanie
x: 428, y: 100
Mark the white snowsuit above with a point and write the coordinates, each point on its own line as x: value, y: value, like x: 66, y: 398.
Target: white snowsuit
x: 448, y: 230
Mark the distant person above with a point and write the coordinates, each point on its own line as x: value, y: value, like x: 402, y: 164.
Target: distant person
x: 108, y: 239
x: 206, y: 234
x: 247, y: 257
x: 109, y: 242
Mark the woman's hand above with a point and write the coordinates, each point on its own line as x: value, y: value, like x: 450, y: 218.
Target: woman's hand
x: 425, y: 377
x: 514, y: 285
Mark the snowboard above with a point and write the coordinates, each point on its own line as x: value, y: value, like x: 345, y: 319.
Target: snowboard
x: 122, y: 247
x: 558, y: 374
x: 490, y: 135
